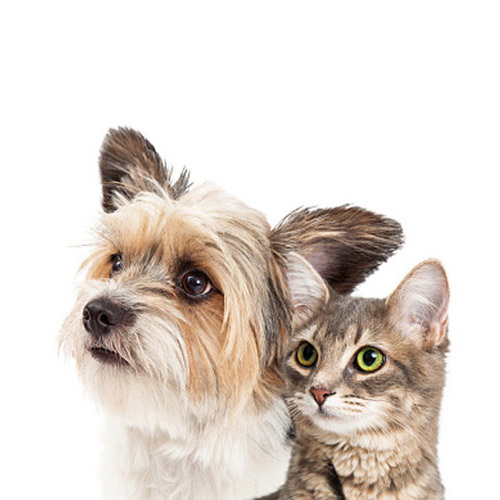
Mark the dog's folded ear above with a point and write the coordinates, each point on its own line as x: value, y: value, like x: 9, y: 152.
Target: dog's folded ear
x: 344, y: 244
x: 129, y: 164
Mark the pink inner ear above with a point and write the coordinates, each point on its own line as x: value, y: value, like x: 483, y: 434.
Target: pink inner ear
x: 436, y: 333
x: 307, y: 289
x: 422, y: 300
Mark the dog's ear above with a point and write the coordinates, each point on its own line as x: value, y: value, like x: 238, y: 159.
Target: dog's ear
x: 129, y: 164
x: 344, y: 244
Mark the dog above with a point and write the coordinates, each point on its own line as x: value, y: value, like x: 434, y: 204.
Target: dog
x: 179, y: 326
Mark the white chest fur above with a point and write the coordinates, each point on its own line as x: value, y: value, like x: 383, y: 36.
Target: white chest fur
x: 244, y: 460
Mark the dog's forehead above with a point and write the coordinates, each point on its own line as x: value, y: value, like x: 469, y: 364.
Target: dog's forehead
x: 205, y: 219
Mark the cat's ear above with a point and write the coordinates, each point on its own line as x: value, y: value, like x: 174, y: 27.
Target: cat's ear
x: 344, y: 244
x: 419, y: 305
x: 129, y: 164
x: 308, y: 291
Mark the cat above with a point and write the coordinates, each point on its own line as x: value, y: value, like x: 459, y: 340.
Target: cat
x: 364, y: 385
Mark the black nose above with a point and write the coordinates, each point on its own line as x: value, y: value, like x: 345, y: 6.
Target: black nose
x: 101, y: 315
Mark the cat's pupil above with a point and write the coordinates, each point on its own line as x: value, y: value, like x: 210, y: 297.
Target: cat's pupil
x: 369, y: 357
x: 308, y: 352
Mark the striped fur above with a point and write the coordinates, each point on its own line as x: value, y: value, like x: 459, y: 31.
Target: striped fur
x: 376, y: 432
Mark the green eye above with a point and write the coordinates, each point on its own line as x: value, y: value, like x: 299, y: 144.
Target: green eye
x: 306, y: 355
x: 369, y: 359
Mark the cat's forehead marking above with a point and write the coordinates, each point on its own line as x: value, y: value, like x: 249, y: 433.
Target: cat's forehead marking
x: 354, y: 333
x: 355, y: 318
x: 359, y: 333
x: 350, y: 333
x: 309, y: 332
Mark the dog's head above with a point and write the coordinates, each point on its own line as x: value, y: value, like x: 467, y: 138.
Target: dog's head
x: 185, y: 308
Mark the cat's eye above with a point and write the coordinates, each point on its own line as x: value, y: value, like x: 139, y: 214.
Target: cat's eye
x: 116, y: 264
x: 369, y: 359
x: 196, y: 284
x: 306, y: 355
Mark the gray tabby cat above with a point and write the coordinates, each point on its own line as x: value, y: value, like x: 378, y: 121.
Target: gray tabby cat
x: 364, y: 385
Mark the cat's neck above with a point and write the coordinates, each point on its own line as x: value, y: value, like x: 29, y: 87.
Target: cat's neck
x: 397, y: 463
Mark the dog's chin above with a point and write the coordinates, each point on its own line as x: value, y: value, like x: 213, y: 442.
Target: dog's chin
x: 129, y: 395
x: 118, y: 389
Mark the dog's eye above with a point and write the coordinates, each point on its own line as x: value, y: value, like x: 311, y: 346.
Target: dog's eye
x: 116, y: 264
x: 196, y: 283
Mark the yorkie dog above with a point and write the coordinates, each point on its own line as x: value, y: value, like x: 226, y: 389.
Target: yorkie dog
x: 179, y: 327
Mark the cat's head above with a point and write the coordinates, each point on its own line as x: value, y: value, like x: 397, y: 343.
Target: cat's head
x: 356, y: 364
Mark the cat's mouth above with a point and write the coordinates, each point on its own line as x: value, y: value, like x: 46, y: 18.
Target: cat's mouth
x: 329, y: 413
x: 326, y: 413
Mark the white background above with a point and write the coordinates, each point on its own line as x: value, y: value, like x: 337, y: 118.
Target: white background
x: 393, y: 106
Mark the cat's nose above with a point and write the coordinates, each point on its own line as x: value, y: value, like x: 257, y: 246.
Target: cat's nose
x: 320, y: 394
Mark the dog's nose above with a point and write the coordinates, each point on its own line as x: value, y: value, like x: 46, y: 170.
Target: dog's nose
x: 320, y: 394
x: 101, y: 315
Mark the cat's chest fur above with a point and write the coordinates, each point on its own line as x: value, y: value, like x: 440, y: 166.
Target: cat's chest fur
x: 239, y: 462
x: 383, y: 467
x: 370, y: 459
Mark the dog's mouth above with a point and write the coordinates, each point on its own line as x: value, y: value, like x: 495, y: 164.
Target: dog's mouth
x: 107, y: 356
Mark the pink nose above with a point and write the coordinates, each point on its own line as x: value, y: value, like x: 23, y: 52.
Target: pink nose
x: 320, y: 394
